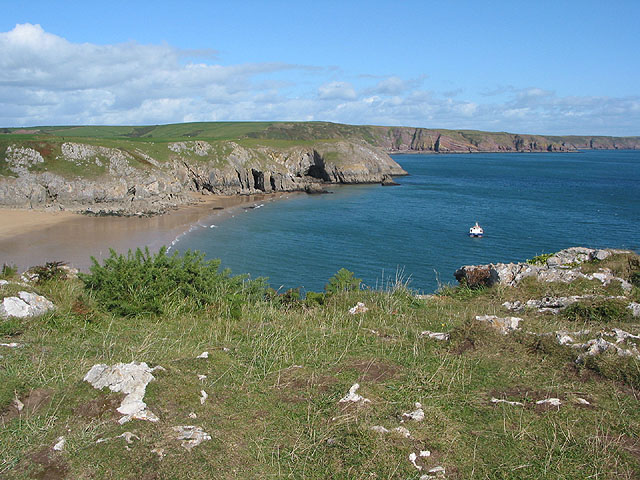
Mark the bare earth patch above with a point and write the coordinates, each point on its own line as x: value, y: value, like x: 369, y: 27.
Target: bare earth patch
x: 33, y: 402
x: 372, y: 370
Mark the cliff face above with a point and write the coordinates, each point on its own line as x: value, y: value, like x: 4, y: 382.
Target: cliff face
x: 424, y: 140
x: 405, y: 139
x: 133, y: 181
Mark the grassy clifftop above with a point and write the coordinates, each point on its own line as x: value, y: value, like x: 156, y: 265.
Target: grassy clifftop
x: 278, y: 367
x: 285, y: 133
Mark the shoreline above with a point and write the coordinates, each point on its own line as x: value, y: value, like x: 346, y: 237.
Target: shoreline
x: 34, y: 237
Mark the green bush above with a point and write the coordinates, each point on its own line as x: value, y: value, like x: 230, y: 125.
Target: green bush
x: 342, y: 281
x: 142, y: 282
x: 635, y: 279
x: 540, y: 259
x: 314, y: 298
x: 604, y: 311
x: 8, y: 271
x: 48, y: 271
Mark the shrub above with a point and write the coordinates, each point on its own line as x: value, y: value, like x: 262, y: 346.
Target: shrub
x: 540, y: 259
x: 314, y: 298
x: 635, y: 279
x: 605, y: 311
x: 48, y: 271
x: 142, y: 282
x: 342, y: 281
x: 8, y: 271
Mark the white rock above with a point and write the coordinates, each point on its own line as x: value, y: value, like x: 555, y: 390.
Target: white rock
x: 10, y: 345
x: 417, y: 415
x: 435, y: 335
x: 14, y: 307
x: 203, y: 397
x: 358, y: 308
x: 3, y: 283
x: 550, y: 401
x: 193, y: 415
x: 412, y: 458
x: 191, y: 436
x: 353, y: 397
x: 425, y: 453
x: 129, y: 378
x: 379, y: 429
x: 26, y: 304
x: 128, y: 436
x: 564, y: 339
x: 622, y: 336
x: 202, y: 377
x: 503, y: 324
x: 582, y: 401
x: 635, y: 309
x: 18, y: 404
x: 60, y: 444
x: 500, y: 400
x: 203, y: 355
x: 403, y: 432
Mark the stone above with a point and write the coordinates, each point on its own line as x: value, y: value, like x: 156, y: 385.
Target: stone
x: 26, y: 304
x: 504, y: 325
x: 412, y: 458
x: 555, y: 402
x: 203, y: 397
x: 358, y: 308
x: 59, y: 444
x: 128, y: 437
x: 582, y: 401
x: 129, y: 378
x: 417, y: 415
x: 561, y: 267
x: 516, y: 306
x: 379, y: 429
x: 440, y: 336
x: 402, y: 431
x: 635, y: 309
x: 203, y: 355
x: 191, y: 436
x: 500, y: 400
x: 354, y: 397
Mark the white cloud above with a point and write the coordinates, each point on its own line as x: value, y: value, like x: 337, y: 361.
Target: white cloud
x: 337, y: 91
x: 47, y: 80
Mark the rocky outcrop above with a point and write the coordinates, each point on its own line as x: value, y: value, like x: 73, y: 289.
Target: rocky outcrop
x: 133, y: 182
x: 26, y: 304
x: 423, y: 140
x: 561, y: 267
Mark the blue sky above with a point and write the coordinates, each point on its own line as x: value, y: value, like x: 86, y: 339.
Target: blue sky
x: 561, y: 67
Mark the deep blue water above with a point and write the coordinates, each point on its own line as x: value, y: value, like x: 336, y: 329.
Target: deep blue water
x: 527, y: 204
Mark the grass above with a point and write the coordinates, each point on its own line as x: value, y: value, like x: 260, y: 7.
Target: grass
x: 276, y: 371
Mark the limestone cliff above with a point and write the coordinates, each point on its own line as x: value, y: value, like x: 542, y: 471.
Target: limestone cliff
x: 152, y: 178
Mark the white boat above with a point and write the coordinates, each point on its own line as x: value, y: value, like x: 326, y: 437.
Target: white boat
x: 476, y: 231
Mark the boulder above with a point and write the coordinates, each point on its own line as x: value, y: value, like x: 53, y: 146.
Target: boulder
x: 26, y: 304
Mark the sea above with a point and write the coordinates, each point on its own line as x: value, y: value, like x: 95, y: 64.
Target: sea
x: 417, y: 232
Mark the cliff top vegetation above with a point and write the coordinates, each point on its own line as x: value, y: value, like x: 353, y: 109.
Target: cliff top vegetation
x: 267, y: 380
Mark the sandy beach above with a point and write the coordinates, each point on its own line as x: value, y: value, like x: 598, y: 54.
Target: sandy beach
x: 29, y: 238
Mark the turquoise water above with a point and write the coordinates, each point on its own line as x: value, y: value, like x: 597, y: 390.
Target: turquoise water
x: 527, y: 204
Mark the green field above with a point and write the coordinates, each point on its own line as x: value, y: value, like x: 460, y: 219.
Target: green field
x: 278, y: 366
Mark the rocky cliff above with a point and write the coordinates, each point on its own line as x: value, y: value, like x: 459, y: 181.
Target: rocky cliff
x: 151, y: 177
x: 425, y: 140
